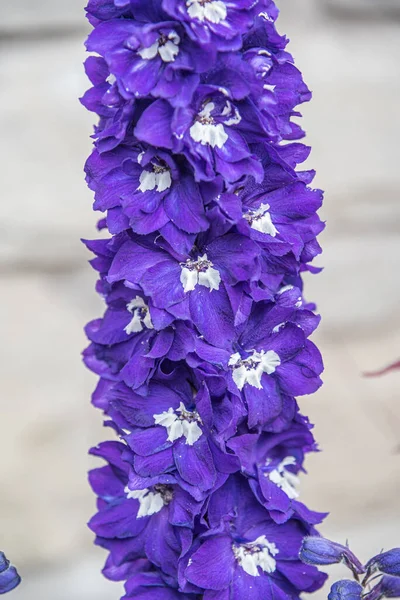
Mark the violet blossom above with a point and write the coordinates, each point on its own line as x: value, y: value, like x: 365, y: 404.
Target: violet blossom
x: 204, y: 345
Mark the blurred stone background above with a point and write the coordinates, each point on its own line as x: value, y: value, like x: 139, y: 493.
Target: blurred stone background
x: 350, y: 55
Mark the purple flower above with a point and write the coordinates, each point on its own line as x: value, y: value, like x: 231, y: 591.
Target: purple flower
x: 103, y: 98
x: 345, y: 590
x: 9, y: 577
x: 213, y: 132
x: 170, y: 432
x: 273, y: 461
x: 283, y: 220
x: 245, y: 550
x: 140, y: 522
x: 214, y: 22
x: 191, y: 287
x: 152, y: 58
x: 140, y: 189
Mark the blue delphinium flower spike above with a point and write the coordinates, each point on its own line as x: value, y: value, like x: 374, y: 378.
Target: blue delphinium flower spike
x: 204, y: 346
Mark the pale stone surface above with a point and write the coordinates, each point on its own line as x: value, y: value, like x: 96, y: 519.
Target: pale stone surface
x: 45, y: 141
x: 30, y: 14
x: 47, y: 422
x: 364, y: 7
x: 74, y: 581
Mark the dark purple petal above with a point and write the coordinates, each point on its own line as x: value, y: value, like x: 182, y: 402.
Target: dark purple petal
x: 211, y: 567
x: 212, y: 314
x: 153, y: 126
x: 195, y: 463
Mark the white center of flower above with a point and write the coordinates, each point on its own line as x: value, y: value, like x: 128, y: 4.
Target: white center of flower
x: 250, y: 370
x: 284, y: 479
x: 257, y: 554
x: 214, y: 11
x: 199, y: 272
x: 140, y: 316
x: 180, y: 422
x: 159, y: 179
x: 150, y: 501
x: 167, y: 47
x: 260, y: 220
x: 206, y: 130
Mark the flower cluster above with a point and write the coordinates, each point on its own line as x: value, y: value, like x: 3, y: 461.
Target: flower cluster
x: 378, y: 578
x: 204, y: 345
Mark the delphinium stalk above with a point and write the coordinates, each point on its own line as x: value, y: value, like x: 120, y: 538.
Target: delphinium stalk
x: 204, y: 345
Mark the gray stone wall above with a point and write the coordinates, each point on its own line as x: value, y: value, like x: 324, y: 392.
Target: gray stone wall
x: 47, y: 294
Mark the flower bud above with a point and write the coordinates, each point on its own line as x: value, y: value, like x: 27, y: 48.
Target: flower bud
x: 345, y: 590
x: 9, y: 578
x: 388, y: 587
x: 320, y: 551
x: 387, y: 562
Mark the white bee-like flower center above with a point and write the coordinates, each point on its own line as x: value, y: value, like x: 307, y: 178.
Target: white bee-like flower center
x: 199, y: 272
x: 159, y: 178
x: 207, y: 131
x: 284, y: 479
x: 213, y: 11
x: 140, y: 316
x: 167, y: 47
x: 260, y: 220
x: 150, y: 501
x: 250, y: 370
x: 180, y: 423
x: 255, y: 555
